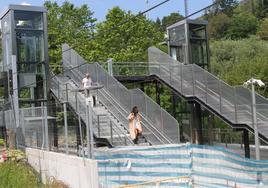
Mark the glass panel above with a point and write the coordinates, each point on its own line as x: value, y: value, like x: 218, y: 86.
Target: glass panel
x: 28, y: 20
x: 30, y: 46
x: 6, y: 23
x: 6, y: 50
x: 197, y: 31
x: 177, y: 35
x: 199, y: 52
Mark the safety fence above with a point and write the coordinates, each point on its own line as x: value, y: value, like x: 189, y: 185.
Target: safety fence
x: 50, y: 127
x: 179, y: 166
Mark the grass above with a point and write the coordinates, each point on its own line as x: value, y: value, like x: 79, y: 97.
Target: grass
x: 17, y: 175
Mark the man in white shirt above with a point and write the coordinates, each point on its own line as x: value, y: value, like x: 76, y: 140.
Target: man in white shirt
x: 87, y: 83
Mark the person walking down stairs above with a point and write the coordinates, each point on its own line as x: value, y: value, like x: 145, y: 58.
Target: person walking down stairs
x: 135, y: 128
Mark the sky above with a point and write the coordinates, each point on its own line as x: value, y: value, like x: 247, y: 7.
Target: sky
x: 101, y: 7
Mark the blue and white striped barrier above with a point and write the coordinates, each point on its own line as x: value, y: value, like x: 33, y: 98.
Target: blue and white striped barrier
x: 206, y: 166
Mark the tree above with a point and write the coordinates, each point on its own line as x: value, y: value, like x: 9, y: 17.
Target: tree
x: 242, y: 26
x: 224, y: 6
x: 218, y: 26
x: 68, y: 24
x: 158, y: 24
x: 170, y: 19
x: 263, y: 30
x: 124, y: 42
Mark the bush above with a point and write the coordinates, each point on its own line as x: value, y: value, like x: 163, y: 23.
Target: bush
x: 17, y: 174
x: 263, y: 30
x: 237, y: 61
x: 242, y: 26
x: 2, y: 142
x: 14, y: 155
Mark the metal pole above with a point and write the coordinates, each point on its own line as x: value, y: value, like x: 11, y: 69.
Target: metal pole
x: 81, y: 135
x: 220, y: 97
x: 65, y: 128
x: 254, y: 122
x: 66, y: 87
x: 111, y: 131
x: 90, y: 140
x: 98, y: 118
x: 87, y: 129
x: 235, y: 105
x: 15, y: 90
x: 46, y: 128
x: 186, y: 8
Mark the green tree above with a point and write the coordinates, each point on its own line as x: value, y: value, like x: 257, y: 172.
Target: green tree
x: 127, y: 42
x: 223, y: 6
x: 242, y: 26
x: 218, y: 26
x: 263, y: 30
x: 68, y: 24
x: 158, y: 24
x: 170, y: 19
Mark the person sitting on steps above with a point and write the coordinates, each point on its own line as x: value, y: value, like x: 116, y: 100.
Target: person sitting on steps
x: 135, y: 128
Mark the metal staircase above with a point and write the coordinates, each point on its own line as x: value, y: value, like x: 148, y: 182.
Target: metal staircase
x: 232, y: 104
x: 159, y: 127
x: 104, y: 123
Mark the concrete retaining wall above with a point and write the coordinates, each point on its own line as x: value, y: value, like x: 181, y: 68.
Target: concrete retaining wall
x: 74, y: 171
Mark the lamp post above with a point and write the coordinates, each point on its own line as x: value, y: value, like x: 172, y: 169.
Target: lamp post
x: 254, y: 82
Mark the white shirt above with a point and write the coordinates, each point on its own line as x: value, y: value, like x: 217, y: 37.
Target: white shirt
x: 87, y: 82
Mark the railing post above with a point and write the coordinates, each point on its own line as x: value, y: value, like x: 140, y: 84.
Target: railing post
x: 65, y: 128
x: 220, y: 96
x: 90, y: 138
x: 235, y: 104
x: 110, y: 66
x: 81, y: 134
x: 206, y: 77
x: 111, y: 131
x: 66, y: 88
x: 98, y: 124
x: 58, y: 90
x: 76, y: 103
x: 193, y: 79
x: 181, y: 78
x: 46, y: 127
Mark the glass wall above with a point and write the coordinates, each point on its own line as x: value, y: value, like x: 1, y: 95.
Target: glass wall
x: 28, y: 20
x: 198, y: 45
x: 29, y: 31
x: 6, y: 41
x: 30, y: 46
x: 177, y: 43
x: 188, y: 43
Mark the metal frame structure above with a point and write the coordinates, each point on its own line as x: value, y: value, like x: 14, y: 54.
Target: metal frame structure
x: 181, y: 37
x: 24, y: 36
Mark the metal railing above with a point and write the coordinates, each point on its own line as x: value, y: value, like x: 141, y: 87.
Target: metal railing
x: 33, y: 127
x: 120, y: 100
x: 232, y: 103
x: 66, y: 91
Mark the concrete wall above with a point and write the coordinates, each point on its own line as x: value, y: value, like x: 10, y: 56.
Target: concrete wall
x: 74, y: 171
